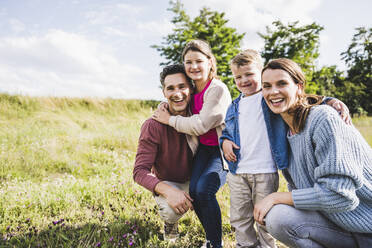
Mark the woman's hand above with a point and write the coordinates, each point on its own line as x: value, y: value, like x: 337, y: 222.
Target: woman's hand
x: 342, y: 109
x: 161, y: 115
x: 227, y: 147
x: 264, y: 206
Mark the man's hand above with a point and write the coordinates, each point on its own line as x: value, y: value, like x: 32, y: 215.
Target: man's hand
x: 227, y: 147
x: 178, y: 200
x: 342, y: 109
x: 161, y: 115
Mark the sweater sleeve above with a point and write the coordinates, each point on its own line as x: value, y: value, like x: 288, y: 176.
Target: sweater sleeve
x: 339, y: 173
x: 212, y: 114
x: 146, y: 155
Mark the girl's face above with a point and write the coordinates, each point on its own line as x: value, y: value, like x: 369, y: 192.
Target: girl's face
x: 197, y: 66
x: 279, y: 90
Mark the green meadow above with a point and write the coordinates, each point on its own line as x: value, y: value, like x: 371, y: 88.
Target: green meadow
x: 66, y: 176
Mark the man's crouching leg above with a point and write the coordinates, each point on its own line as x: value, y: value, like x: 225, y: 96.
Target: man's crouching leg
x: 168, y: 215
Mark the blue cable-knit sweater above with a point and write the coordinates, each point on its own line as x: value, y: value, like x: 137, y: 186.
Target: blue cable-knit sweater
x: 331, y: 168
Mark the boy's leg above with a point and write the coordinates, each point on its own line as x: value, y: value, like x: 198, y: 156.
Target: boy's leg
x: 301, y: 228
x: 167, y: 213
x: 241, y: 209
x: 264, y: 184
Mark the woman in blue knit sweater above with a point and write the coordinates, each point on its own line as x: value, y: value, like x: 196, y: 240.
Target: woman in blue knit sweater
x: 330, y: 170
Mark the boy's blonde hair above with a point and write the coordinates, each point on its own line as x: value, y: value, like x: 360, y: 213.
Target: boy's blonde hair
x: 246, y: 57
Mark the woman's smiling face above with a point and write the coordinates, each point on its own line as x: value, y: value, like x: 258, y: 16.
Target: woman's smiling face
x: 280, y: 91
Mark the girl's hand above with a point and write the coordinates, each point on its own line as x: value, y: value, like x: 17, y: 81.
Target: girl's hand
x: 162, y: 116
x: 342, y: 109
x: 163, y: 106
x: 227, y: 147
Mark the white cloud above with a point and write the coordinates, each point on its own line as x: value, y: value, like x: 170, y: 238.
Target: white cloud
x: 252, y: 16
x: 16, y: 25
x: 116, y: 32
x: 65, y: 64
x: 112, y: 13
x: 160, y: 27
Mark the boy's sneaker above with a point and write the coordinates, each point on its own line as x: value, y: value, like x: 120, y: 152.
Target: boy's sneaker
x: 171, y: 232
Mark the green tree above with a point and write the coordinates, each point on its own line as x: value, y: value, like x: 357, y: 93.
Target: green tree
x: 327, y: 79
x: 331, y: 82
x: 299, y: 43
x: 358, y: 59
x: 210, y: 26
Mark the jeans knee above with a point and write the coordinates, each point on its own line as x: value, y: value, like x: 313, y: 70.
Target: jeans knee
x: 207, y: 188
x: 279, y: 220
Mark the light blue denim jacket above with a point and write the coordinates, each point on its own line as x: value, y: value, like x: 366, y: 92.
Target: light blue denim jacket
x: 276, y: 130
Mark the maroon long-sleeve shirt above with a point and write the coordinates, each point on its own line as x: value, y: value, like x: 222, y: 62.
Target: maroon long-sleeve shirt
x: 162, y: 155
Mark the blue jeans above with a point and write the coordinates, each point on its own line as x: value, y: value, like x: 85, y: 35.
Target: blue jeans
x: 301, y: 228
x: 206, y: 178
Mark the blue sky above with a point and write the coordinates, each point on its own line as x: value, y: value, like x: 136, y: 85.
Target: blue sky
x: 101, y: 48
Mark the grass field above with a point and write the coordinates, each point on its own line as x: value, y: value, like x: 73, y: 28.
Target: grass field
x: 66, y: 176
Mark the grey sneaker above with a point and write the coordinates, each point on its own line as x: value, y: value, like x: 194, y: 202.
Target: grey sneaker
x: 208, y: 244
x: 171, y: 232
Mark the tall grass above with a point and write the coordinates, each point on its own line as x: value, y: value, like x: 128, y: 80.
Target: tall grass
x: 66, y: 176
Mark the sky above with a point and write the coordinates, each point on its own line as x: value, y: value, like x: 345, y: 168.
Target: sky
x: 102, y: 48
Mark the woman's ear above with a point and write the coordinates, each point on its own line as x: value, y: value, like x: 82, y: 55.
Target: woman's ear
x: 300, y: 90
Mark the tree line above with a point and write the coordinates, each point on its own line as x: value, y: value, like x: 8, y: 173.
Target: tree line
x: 291, y: 40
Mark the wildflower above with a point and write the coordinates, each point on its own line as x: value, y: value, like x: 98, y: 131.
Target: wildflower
x: 111, y: 239
x: 98, y: 244
x: 125, y: 236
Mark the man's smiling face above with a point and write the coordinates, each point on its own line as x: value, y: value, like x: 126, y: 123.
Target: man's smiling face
x: 177, y: 90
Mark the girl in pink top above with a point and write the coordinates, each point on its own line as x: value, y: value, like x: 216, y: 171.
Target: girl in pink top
x: 209, y: 105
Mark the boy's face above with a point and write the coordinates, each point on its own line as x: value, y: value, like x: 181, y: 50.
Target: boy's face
x: 247, y: 78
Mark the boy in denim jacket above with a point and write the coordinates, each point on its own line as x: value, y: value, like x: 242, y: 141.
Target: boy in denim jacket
x: 246, y: 146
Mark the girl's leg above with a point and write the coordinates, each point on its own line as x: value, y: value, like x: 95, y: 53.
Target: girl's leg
x: 301, y: 228
x: 211, y: 179
x: 200, y: 163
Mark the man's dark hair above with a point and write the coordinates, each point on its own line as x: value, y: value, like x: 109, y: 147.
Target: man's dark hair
x: 173, y: 69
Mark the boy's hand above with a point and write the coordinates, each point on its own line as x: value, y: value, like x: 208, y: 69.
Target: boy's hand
x: 227, y: 147
x: 342, y: 109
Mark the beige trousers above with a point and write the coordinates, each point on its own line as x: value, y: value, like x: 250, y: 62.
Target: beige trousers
x: 166, y: 212
x: 245, y: 191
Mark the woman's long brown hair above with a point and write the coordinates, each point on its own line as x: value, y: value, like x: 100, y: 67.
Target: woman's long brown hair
x: 305, y: 101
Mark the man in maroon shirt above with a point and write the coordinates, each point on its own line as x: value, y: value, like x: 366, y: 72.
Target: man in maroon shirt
x: 164, y: 156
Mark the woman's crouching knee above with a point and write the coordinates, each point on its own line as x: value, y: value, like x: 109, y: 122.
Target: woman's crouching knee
x: 279, y: 221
